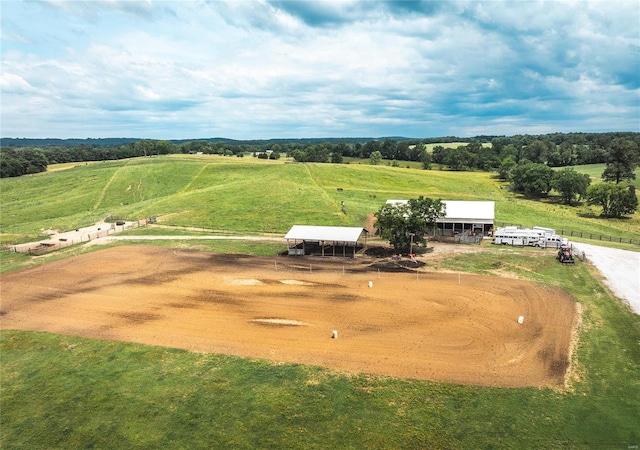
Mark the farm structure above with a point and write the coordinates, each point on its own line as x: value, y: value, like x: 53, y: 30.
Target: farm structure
x: 324, y: 241
x: 463, y: 217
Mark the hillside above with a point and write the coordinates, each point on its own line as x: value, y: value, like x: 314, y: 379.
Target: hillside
x: 252, y: 195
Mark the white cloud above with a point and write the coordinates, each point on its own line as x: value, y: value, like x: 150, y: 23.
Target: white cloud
x: 254, y: 69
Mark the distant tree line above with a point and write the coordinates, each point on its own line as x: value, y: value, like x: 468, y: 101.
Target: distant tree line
x: 487, y: 153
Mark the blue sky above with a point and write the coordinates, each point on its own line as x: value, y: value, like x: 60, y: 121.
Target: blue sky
x: 250, y: 69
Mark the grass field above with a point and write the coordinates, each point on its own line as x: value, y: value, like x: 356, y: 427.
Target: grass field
x: 248, y: 194
x: 66, y: 392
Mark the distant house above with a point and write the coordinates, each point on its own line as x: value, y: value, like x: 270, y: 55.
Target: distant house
x: 473, y: 217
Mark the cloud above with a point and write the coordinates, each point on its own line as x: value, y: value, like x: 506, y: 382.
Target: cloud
x: 259, y: 69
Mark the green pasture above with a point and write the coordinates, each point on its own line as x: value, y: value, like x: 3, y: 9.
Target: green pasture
x: 595, y: 172
x: 252, y: 195
x: 67, y: 392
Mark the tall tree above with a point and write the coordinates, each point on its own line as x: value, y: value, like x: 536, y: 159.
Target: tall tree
x: 506, y: 166
x: 570, y: 184
x: 622, y: 160
x: 616, y: 200
x: 375, y: 158
x: 536, y: 152
x: 407, y: 224
x: 460, y: 158
x: 532, y: 179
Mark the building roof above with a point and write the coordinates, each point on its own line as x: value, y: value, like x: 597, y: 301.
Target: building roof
x: 318, y: 233
x: 462, y: 211
x: 469, y: 210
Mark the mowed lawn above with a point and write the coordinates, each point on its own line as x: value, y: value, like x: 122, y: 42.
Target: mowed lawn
x: 66, y: 392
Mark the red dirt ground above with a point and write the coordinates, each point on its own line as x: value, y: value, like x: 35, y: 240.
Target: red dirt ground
x: 425, y: 325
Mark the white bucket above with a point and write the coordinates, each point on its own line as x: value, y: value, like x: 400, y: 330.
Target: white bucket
x: 521, y: 320
x: 370, y: 283
x: 334, y: 335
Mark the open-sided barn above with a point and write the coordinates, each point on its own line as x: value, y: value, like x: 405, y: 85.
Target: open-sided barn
x: 474, y: 217
x: 326, y: 241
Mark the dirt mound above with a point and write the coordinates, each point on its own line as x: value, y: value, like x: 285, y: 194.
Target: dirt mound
x: 402, y: 265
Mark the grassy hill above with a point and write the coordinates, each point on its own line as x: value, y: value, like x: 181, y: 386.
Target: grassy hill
x: 248, y: 194
x: 66, y: 392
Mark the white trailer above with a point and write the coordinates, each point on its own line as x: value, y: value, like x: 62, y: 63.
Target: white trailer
x: 547, y: 232
x: 516, y: 236
x: 536, y: 237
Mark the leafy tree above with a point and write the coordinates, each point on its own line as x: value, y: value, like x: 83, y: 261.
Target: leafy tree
x: 375, y: 158
x: 336, y: 157
x: 298, y: 155
x: 10, y: 164
x: 424, y: 214
x: 570, y: 184
x: 18, y: 162
x: 393, y: 224
x: 368, y: 148
x: 616, y: 200
x: 407, y: 224
x: 506, y: 166
x: 315, y: 153
x: 532, y: 179
x: 459, y: 159
x: 438, y: 154
x: 425, y: 160
x: 536, y: 152
x: 405, y: 153
x: 417, y: 153
x: 509, y: 150
x: 34, y: 159
x: 590, y: 154
x: 276, y: 148
x: 622, y: 161
x: 389, y: 149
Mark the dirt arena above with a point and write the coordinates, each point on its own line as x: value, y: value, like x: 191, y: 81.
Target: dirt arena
x: 423, y: 325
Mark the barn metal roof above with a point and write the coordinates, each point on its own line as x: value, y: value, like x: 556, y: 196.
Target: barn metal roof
x: 469, y: 210
x: 462, y: 211
x: 318, y: 233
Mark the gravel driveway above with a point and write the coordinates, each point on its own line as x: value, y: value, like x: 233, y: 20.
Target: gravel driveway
x: 621, y: 269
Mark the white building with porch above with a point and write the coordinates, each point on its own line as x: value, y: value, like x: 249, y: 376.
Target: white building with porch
x: 462, y: 216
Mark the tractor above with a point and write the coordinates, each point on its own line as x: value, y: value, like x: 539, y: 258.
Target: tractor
x: 564, y: 254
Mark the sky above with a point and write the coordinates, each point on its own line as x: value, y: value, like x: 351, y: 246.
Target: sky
x: 262, y: 69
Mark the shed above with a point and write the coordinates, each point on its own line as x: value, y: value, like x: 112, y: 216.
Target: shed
x: 307, y: 239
